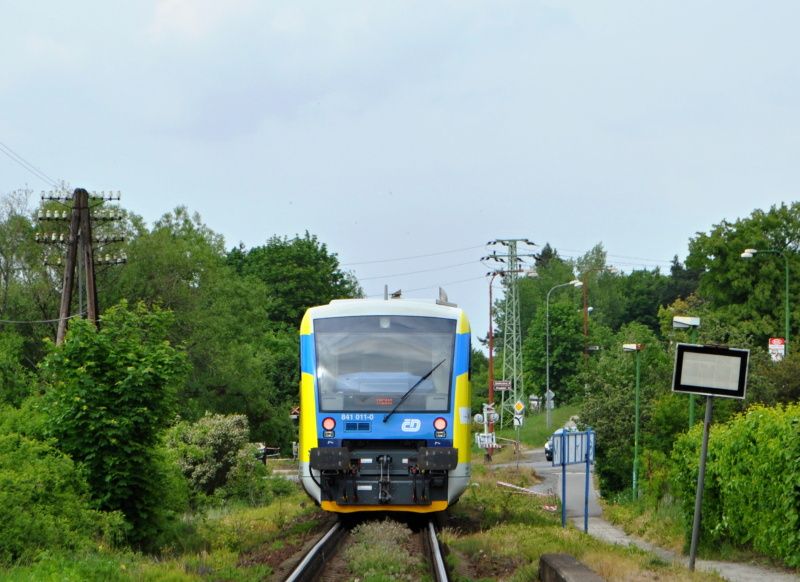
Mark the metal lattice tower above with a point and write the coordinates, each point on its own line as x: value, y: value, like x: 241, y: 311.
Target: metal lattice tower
x: 512, y: 332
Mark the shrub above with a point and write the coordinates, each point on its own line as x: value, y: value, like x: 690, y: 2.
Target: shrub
x: 44, y: 503
x: 15, y: 381
x: 209, y: 449
x: 752, y: 486
x: 247, y: 479
x: 110, y: 393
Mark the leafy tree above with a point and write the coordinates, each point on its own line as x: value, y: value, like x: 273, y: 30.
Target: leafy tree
x: 110, y: 393
x: 16, y: 382
x: 609, y: 407
x: 480, y: 380
x: 299, y: 273
x: 749, y: 294
x: 222, y: 320
x: 566, y: 349
x: 29, y: 290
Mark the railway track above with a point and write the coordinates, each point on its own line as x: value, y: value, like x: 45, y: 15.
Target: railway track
x: 313, y: 564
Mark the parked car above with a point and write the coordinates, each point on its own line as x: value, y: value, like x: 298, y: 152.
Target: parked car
x: 548, y: 446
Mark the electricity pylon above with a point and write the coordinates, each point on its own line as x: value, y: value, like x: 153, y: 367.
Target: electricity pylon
x: 514, y: 265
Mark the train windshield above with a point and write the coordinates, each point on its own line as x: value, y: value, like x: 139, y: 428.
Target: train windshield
x: 368, y: 363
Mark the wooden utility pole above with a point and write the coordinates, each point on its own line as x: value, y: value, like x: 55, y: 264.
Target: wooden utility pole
x: 80, y: 238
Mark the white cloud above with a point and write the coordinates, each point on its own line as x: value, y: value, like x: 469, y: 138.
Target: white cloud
x: 194, y: 19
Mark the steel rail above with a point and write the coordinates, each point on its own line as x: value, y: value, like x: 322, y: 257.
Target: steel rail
x: 324, y: 548
x: 437, y: 559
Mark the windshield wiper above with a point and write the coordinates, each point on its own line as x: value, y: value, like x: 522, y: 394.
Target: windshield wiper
x: 410, y: 390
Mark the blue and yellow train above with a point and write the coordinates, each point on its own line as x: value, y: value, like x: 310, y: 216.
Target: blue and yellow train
x: 385, y: 405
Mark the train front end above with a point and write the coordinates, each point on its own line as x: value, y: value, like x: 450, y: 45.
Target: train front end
x: 384, y: 405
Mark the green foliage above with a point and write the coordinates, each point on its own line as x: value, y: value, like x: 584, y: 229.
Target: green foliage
x: 110, y: 393
x: 751, y: 495
x: 16, y: 382
x: 299, y: 273
x: 239, y: 362
x: 44, y: 503
x: 609, y: 406
x: 566, y: 349
x: 207, y: 450
x: 747, y: 294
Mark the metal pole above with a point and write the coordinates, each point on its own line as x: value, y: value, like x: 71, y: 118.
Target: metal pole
x: 636, y: 432
x: 547, y: 354
x: 490, y: 450
x: 563, y: 479
x: 585, y: 317
x: 786, y: 303
x: 701, y: 477
x: 586, y: 492
x: 691, y: 396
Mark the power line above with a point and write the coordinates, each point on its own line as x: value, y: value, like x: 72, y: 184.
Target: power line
x: 416, y: 272
x: 434, y: 286
x: 413, y: 257
x: 22, y: 322
x: 15, y: 157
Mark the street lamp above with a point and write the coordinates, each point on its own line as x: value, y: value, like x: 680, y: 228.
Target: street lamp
x: 638, y: 349
x: 586, y: 308
x: 548, y: 395
x: 748, y: 254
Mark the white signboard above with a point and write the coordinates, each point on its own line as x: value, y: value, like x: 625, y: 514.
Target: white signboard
x: 710, y: 370
x: 485, y: 440
x: 572, y: 447
x: 777, y: 348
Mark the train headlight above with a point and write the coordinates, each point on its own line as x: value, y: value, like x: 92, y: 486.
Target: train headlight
x: 328, y: 424
x: 440, y: 424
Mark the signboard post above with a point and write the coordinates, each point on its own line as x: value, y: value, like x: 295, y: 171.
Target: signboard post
x: 710, y: 371
x: 569, y: 448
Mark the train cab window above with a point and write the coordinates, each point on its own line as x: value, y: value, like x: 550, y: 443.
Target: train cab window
x: 367, y: 363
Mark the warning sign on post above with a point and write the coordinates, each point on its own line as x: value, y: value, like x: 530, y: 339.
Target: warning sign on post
x: 777, y: 348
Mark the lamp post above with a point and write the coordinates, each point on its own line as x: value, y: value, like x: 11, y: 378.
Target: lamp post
x: 638, y: 349
x: 748, y: 254
x: 577, y: 284
x: 586, y: 308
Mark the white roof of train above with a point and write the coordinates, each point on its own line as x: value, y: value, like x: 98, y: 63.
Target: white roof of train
x: 350, y: 307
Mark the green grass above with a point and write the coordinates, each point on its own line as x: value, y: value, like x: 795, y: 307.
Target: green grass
x: 236, y: 543
x: 510, y: 532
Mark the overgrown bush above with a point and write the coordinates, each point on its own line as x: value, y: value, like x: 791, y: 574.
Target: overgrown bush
x: 217, y: 459
x: 247, y: 479
x: 44, y: 503
x: 752, y: 484
x: 15, y: 381
x: 110, y: 393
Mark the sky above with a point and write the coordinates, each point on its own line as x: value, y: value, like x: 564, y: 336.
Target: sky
x: 405, y: 135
